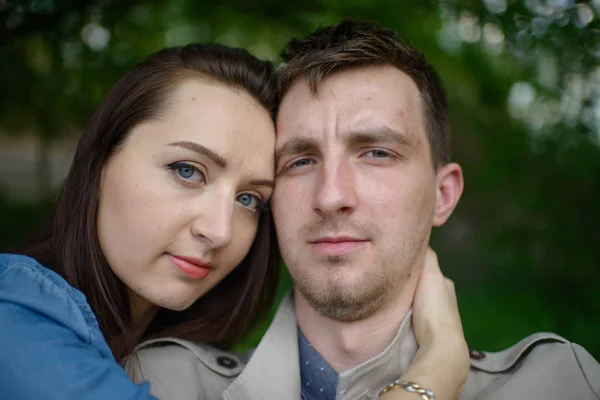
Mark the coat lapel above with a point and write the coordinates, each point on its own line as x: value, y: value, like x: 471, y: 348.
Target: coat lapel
x: 273, y: 371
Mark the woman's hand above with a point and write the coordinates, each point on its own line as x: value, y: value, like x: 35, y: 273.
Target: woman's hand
x: 435, y: 309
x: 442, y: 361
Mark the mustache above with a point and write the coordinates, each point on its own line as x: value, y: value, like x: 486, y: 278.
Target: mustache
x: 338, y: 225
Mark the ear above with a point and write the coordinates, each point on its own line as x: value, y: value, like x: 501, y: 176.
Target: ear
x: 449, y: 189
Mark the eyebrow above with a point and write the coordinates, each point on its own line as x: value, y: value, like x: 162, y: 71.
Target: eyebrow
x: 214, y: 157
x: 369, y: 135
x: 295, y: 146
x: 218, y: 160
x: 379, y: 134
x: 262, y: 182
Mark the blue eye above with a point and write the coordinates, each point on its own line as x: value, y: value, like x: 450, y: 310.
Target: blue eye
x: 378, y: 153
x: 249, y: 201
x: 302, y: 162
x: 187, y: 172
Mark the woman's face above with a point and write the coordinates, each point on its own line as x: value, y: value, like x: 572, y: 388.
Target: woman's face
x: 180, y: 202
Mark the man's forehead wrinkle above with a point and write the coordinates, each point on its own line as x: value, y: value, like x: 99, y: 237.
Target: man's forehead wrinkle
x: 321, y: 124
x: 343, y: 117
x: 372, y: 122
x: 331, y: 91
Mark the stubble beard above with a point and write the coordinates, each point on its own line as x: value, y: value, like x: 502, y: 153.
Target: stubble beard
x: 355, y: 301
x: 378, y: 283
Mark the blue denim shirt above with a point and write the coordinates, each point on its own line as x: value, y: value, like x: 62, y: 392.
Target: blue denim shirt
x: 50, y: 344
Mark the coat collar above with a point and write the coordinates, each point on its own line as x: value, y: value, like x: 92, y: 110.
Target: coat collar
x: 273, y: 370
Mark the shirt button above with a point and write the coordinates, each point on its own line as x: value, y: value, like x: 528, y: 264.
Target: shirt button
x: 226, y: 362
x: 476, y: 354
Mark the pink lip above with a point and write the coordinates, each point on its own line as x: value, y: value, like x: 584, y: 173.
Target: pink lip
x: 192, y: 267
x: 337, y: 246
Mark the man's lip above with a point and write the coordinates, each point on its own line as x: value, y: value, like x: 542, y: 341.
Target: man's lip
x: 337, y: 239
x: 337, y: 245
x: 196, y: 261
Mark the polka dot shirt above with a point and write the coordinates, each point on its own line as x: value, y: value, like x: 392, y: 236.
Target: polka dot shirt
x: 319, y: 380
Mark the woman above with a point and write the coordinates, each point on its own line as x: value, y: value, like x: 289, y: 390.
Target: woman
x: 159, y: 229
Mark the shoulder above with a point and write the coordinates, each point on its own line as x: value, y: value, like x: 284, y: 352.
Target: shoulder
x: 23, y: 269
x: 49, y: 347
x: 28, y: 286
x: 178, y: 368
x: 544, y: 363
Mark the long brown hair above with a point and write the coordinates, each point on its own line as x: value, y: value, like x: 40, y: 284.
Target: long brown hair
x: 69, y: 243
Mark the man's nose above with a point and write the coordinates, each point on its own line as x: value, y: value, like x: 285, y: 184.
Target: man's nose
x: 335, y: 192
x: 214, y: 221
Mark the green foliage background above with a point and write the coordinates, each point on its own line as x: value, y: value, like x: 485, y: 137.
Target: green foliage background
x: 524, y: 89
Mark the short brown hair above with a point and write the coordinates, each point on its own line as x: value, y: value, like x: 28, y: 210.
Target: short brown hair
x: 69, y: 243
x: 354, y: 44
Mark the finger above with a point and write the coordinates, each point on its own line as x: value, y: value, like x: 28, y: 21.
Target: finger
x: 451, y: 289
x: 432, y: 264
x: 450, y: 285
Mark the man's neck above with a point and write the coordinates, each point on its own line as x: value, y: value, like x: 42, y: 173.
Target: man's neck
x: 345, y: 345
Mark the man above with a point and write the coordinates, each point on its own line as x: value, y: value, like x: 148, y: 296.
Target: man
x: 363, y: 174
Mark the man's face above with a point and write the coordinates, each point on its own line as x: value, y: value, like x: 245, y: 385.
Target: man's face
x: 356, y: 191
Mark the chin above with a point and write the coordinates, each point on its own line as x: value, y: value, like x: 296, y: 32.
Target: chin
x: 346, y: 276
x: 176, y: 304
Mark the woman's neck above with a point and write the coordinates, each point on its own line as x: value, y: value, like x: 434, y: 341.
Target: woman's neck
x: 142, y: 313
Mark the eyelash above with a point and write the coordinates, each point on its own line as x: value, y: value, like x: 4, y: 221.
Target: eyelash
x: 175, y: 167
x: 293, y: 164
x: 387, y: 153
x: 260, y: 203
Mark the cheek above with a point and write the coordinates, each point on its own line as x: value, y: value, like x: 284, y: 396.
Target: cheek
x: 395, y: 196
x: 280, y: 193
x: 130, y: 212
x: 290, y: 198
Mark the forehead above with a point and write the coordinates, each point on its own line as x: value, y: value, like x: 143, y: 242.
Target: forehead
x: 351, y: 99
x: 228, y: 121
x: 214, y: 111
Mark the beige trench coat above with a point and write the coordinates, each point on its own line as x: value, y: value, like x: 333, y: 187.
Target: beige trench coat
x: 542, y: 366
